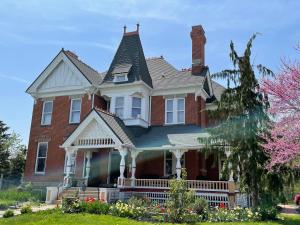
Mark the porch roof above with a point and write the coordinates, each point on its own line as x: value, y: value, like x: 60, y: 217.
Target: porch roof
x: 174, y: 136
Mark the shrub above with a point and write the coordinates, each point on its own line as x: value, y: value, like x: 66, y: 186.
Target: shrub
x: 8, y: 213
x: 95, y: 207
x: 70, y: 205
x: 267, y: 212
x: 200, y: 206
x: 138, y: 202
x: 180, y: 200
x: 4, y: 204
x: 125, y: 210
x: 26, y: 209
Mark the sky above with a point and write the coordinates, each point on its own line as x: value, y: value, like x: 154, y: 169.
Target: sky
x: 32, y: 32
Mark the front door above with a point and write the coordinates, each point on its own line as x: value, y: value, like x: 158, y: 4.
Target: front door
x: 114, y: 167
x: 98, y: 173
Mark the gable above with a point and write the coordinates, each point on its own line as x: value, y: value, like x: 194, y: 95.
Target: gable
x: 63, y: 77
x: 60, y: 75
x: 93, y: 132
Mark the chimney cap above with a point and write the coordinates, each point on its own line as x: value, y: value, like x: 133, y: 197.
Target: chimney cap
x: 138, y: 27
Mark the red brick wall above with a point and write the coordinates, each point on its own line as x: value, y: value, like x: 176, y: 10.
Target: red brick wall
x: 99, y: 102
x: 55, y: 134
x: 157, y: 110
x: 150, y: 163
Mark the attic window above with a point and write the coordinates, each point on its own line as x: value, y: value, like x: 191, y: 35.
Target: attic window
x: 121, y: 77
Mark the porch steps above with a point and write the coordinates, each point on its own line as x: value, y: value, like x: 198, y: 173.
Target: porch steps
x: 72, y: 192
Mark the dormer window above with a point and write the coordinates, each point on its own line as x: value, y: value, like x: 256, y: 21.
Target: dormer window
x: 122, y: 77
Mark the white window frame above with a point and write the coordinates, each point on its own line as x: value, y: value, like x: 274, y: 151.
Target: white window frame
x: 140, y: 115
x: 118, y: 107
x: 175, y: 111
x: 116, y: 76
x: 48, y: 113
x: 37, y: 157
x: 66, y: 161
x: 71, y: 111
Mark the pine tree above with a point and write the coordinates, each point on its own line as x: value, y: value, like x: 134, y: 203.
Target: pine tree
x: 241, y: 117
x: 4, y: 152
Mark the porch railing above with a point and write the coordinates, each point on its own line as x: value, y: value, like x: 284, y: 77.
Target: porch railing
x: 201, y: 185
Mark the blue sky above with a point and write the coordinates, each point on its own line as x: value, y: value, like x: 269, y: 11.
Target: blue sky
x: 33, y: 32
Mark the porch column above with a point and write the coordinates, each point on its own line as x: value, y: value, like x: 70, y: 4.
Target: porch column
x: 229, y: 166
x: 70, y: 162
x: 88, y: 156
x: 123, y: 153
x: 178, y: 154
x: 134, y: 154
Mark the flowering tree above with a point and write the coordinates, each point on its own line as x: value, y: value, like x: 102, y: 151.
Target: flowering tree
x: 283, y: 143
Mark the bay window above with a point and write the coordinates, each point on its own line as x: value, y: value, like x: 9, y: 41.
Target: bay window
x: 119, y: 107
x: 136, y: 107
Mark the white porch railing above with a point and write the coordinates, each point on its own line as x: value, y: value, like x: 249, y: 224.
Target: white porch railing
x: 201, y: 185
x: 95, y: 141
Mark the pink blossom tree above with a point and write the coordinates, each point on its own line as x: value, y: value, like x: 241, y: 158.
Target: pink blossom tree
x: 283, y: 144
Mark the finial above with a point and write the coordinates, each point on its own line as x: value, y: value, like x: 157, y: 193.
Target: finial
x: 137, y: 27
x: 124, y: 29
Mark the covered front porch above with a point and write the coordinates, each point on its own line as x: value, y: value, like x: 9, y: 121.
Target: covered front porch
x: 110, y: 157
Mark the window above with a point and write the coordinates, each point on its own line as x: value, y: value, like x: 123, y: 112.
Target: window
x: 47, y: 113
x: 73, y: 164
x: 119, y: 107
x: 136, y: 107
x: 40, y: 164
x: 75, y: 111
x: 120, y: 77
x: 175, y: 111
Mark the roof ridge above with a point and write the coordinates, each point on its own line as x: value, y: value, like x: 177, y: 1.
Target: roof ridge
x: 155, y: 57
x: 104, y: 111
x: 77, y: 58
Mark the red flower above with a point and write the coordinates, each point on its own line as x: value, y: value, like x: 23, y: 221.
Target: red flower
x: 162, y: 210
x: 222, y: 205
x: 158, y: 206
x: 90, y: 199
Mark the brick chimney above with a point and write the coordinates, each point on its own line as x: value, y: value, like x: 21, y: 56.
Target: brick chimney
x: 198, y: 51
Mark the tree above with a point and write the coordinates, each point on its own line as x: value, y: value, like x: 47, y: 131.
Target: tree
x: 4, y: 152
x: 241, y: 117
x: 283, y: 143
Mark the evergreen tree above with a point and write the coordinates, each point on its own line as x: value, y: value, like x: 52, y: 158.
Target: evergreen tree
x: 4, y: 152
x: 241, y: 117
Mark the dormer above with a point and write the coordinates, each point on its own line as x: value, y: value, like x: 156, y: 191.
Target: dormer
x: 127, y: 84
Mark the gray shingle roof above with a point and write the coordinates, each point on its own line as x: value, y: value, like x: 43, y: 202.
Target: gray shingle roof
x: 117, y: 126
x: 92, y: 75
x: 218, y: 89
x: 130, y: 51
x: 165, y: 75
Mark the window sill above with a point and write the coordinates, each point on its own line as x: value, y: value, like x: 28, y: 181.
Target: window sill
x: 39, y: 173
x: 170, y: 124
x: 46, y: 125
x: 74, y: 123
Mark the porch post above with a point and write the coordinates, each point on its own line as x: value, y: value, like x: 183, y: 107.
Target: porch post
x: 70, y: 161
x: 178, y: 154
x: 123, y: 153
x: 88, y: 156
x: 133, y: 154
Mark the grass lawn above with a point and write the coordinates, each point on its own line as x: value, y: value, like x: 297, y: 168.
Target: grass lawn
x: 55, y: 217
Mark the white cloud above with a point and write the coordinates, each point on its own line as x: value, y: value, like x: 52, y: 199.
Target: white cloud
x: 14, y: 78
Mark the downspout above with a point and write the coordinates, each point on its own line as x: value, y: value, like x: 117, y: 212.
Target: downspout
x: 93, y: 101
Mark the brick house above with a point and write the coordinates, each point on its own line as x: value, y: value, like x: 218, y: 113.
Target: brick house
x: 132, y: 127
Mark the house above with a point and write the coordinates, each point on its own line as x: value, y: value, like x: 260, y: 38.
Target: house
x: 132, y: 127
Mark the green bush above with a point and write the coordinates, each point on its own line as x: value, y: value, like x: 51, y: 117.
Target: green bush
x: 71, y: 205
x: 267, y: 212
x: 96, y: 207
x: 180, y: 200
x: 26, y: 209
x: 21, y: 195
x: 200, y: 206
x: 4, y: 204
x: 138, y: 202
x: 8, y: 213
x: 125, y: 210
